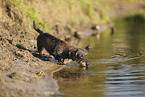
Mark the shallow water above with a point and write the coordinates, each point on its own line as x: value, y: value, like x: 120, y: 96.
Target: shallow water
x: 117, y: 65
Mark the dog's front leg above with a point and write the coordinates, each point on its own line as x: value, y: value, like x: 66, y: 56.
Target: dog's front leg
x: 61, y: 61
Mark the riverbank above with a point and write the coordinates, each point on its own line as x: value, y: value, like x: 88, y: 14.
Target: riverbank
x: 22, y: 72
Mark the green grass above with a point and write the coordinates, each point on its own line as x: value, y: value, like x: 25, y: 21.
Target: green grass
x: 29, y: 13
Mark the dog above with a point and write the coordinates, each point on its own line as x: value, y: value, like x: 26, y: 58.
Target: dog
x: 59, y: 49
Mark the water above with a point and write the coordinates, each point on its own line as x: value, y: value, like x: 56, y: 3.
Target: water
x: 117, y: 65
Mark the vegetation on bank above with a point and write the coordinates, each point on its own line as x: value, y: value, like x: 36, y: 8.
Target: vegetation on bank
x: 48, y: 13
x: 73, y: 14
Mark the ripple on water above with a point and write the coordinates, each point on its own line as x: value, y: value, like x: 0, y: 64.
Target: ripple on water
x: 124, y: 78
x: 116, y: 60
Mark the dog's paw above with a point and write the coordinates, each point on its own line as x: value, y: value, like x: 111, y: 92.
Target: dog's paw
x: 61, y: 63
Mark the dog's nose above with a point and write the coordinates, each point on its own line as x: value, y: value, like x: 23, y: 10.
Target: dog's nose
x: 83, y: 64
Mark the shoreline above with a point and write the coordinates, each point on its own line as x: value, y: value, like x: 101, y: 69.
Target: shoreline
x: 23, y: 74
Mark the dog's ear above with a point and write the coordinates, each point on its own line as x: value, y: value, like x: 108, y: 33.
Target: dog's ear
x: 73, y: 54
x: 81, y: 53
x: 77, y: 53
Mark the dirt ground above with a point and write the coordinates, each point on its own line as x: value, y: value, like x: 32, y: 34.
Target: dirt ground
x: 22, y: 72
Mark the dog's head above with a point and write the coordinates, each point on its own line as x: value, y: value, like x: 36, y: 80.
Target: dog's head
x: 79, y: 55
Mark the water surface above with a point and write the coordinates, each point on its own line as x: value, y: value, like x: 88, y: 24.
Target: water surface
x: 117, y: 65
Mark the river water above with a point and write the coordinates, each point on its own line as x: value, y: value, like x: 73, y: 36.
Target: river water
x: 117, y: 64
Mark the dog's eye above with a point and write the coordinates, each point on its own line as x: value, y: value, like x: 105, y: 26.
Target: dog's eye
x: 80, y: 56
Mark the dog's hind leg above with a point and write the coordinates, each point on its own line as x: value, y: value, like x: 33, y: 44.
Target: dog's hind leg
x: 40, y: 48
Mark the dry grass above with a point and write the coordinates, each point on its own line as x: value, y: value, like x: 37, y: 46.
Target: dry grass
x: 70, y: 13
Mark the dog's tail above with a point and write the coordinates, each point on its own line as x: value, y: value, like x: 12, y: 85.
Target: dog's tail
x: 37, y: 29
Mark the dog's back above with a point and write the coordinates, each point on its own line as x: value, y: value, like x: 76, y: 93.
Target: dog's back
x: 52, y: 44
x: 49, y: 42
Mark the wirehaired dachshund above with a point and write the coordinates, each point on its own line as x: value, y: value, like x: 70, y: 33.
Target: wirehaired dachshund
x: 59, y: 49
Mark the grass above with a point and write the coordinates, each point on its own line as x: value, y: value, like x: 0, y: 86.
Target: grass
x: 23, y: 13
x: 65, y: 13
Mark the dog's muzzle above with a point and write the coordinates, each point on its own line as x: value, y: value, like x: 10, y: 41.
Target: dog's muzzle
x: 83, y: 63
x: 79, y: 55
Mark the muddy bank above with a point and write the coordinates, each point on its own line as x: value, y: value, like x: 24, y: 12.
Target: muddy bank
x: 23, y: 73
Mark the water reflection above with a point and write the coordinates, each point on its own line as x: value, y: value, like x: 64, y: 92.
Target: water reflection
x: 71, y: 74
x: 74, y: 81
x: 117, y: 65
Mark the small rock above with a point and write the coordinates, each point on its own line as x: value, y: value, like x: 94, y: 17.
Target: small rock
x: 14, y: 75
x: 41, y: 74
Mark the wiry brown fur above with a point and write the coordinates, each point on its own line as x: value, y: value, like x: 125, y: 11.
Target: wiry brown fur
x: 58, y: 48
